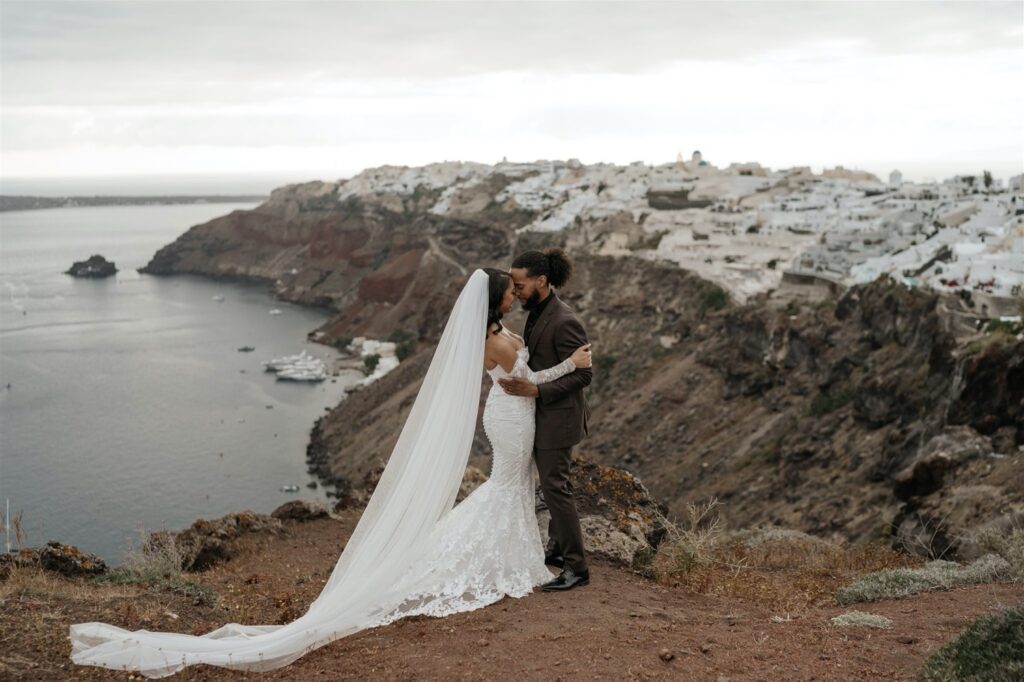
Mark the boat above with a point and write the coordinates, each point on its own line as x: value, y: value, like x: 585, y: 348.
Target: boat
x: 246, y: 349
x: 285, y: 361
x: 218, y: 298
x: 301, y: 375
x: 275, y: 311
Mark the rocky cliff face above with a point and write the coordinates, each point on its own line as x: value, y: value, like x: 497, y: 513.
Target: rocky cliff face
x: 860, y: 416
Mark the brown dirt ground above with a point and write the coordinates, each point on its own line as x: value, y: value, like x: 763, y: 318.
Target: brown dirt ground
x: 615, y: 628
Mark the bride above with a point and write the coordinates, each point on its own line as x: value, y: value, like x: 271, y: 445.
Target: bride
x: 413, y: 550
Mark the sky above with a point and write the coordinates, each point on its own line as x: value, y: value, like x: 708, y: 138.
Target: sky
x: 325, y: 89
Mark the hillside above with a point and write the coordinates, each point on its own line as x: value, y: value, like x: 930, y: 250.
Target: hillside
x: 857, y: 411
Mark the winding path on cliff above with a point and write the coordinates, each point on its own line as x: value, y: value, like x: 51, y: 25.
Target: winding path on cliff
x: 436, y: 249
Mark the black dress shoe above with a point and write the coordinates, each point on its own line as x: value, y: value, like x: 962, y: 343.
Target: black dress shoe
x: 567, y: 580
x: 554, y: 558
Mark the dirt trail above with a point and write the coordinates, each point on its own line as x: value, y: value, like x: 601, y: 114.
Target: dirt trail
x: 615, y: 628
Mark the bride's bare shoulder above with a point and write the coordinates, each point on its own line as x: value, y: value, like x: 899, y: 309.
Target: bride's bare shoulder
x: 499, y: 349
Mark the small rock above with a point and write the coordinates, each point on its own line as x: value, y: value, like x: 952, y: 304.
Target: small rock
x: 666, y: 655
x: 705, y: 648
x: 300, y: 510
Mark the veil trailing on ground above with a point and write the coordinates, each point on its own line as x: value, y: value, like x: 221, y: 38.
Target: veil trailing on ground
x: 418, y: 487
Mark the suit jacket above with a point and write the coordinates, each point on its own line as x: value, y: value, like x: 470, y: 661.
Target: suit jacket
x: 562, y: 410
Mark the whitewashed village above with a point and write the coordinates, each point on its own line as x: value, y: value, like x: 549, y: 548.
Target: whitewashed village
x: 752, y: 229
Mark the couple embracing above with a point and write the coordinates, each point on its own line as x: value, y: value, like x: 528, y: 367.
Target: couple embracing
x: 414, y: 551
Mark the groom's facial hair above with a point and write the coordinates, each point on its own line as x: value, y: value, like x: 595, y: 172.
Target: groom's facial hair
x: 533, y: 301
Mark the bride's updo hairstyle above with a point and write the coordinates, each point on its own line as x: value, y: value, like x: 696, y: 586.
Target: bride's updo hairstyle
x: 554, y: 263
x: 497, y: 285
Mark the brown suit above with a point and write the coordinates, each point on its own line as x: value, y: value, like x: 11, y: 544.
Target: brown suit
x: 561, y: 416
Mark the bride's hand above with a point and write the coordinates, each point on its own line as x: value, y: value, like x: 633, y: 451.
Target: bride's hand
x: 581, y: 357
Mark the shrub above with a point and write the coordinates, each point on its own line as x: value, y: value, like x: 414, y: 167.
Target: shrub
x: 824, y: 403
x: 159, y: 558
x: 405, y: 343
x: 1001, y: 327
x: 861, y: 619
x: 370, y: 362
x: 1007, y: 543
x: 990, y: 648
x: 157, y: 564
x: 713, y: 298
x: 894, y: 583
x: 684, y: 549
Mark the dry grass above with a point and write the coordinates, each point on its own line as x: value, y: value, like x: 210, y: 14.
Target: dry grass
x: 896, y: 583
x: 1007, y: 543
x: 783, y: 569
x: 33, y: 582
x: 861, y: 620
x: 156, y: 564
x: 19, y: 531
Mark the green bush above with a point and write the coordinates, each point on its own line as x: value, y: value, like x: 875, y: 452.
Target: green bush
x: 370, y: 362
x: 990, y: 648
x: 713, y: 298
x: 824, y: 403
x: 1001, y: 327
x: 405, y: 343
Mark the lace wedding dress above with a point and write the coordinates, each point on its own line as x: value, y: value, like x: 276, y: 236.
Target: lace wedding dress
x: 489, y: 545
x: 413, y: 551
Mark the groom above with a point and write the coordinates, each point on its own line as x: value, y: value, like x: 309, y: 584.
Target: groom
x: 552, y: 333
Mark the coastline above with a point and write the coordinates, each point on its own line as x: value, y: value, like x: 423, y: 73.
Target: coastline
x: 316, y: 448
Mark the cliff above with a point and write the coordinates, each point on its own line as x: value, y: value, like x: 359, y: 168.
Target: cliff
x: 873, y: 412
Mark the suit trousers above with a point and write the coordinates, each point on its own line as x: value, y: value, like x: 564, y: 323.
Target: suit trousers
x: 564, y: 533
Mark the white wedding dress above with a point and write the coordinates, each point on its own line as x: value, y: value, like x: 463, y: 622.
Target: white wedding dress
x: 489, y: 545
x: 413, y: 551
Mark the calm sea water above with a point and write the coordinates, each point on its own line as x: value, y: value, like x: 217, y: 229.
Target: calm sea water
x: 129, y: 405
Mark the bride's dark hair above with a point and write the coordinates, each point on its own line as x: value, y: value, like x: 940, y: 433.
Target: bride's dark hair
x: 497, y: 284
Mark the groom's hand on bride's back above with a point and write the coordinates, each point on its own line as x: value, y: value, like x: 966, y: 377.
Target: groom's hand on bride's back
x: 518, y: 386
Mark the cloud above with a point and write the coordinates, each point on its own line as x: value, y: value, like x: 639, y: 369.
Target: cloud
x: 142, y: 86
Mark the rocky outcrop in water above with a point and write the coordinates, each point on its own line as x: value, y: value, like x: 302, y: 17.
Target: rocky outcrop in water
x: 95, y: 266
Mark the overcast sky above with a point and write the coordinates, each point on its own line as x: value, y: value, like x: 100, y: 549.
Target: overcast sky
x: 326, y: 89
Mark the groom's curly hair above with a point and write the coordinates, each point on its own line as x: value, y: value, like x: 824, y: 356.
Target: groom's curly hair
x: 497, y: 285
x: 553, y: 263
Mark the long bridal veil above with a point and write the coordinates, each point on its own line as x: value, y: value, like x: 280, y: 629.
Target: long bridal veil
x: 418, y: 486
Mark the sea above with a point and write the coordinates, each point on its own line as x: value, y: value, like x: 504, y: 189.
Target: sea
x: 125, y: 404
